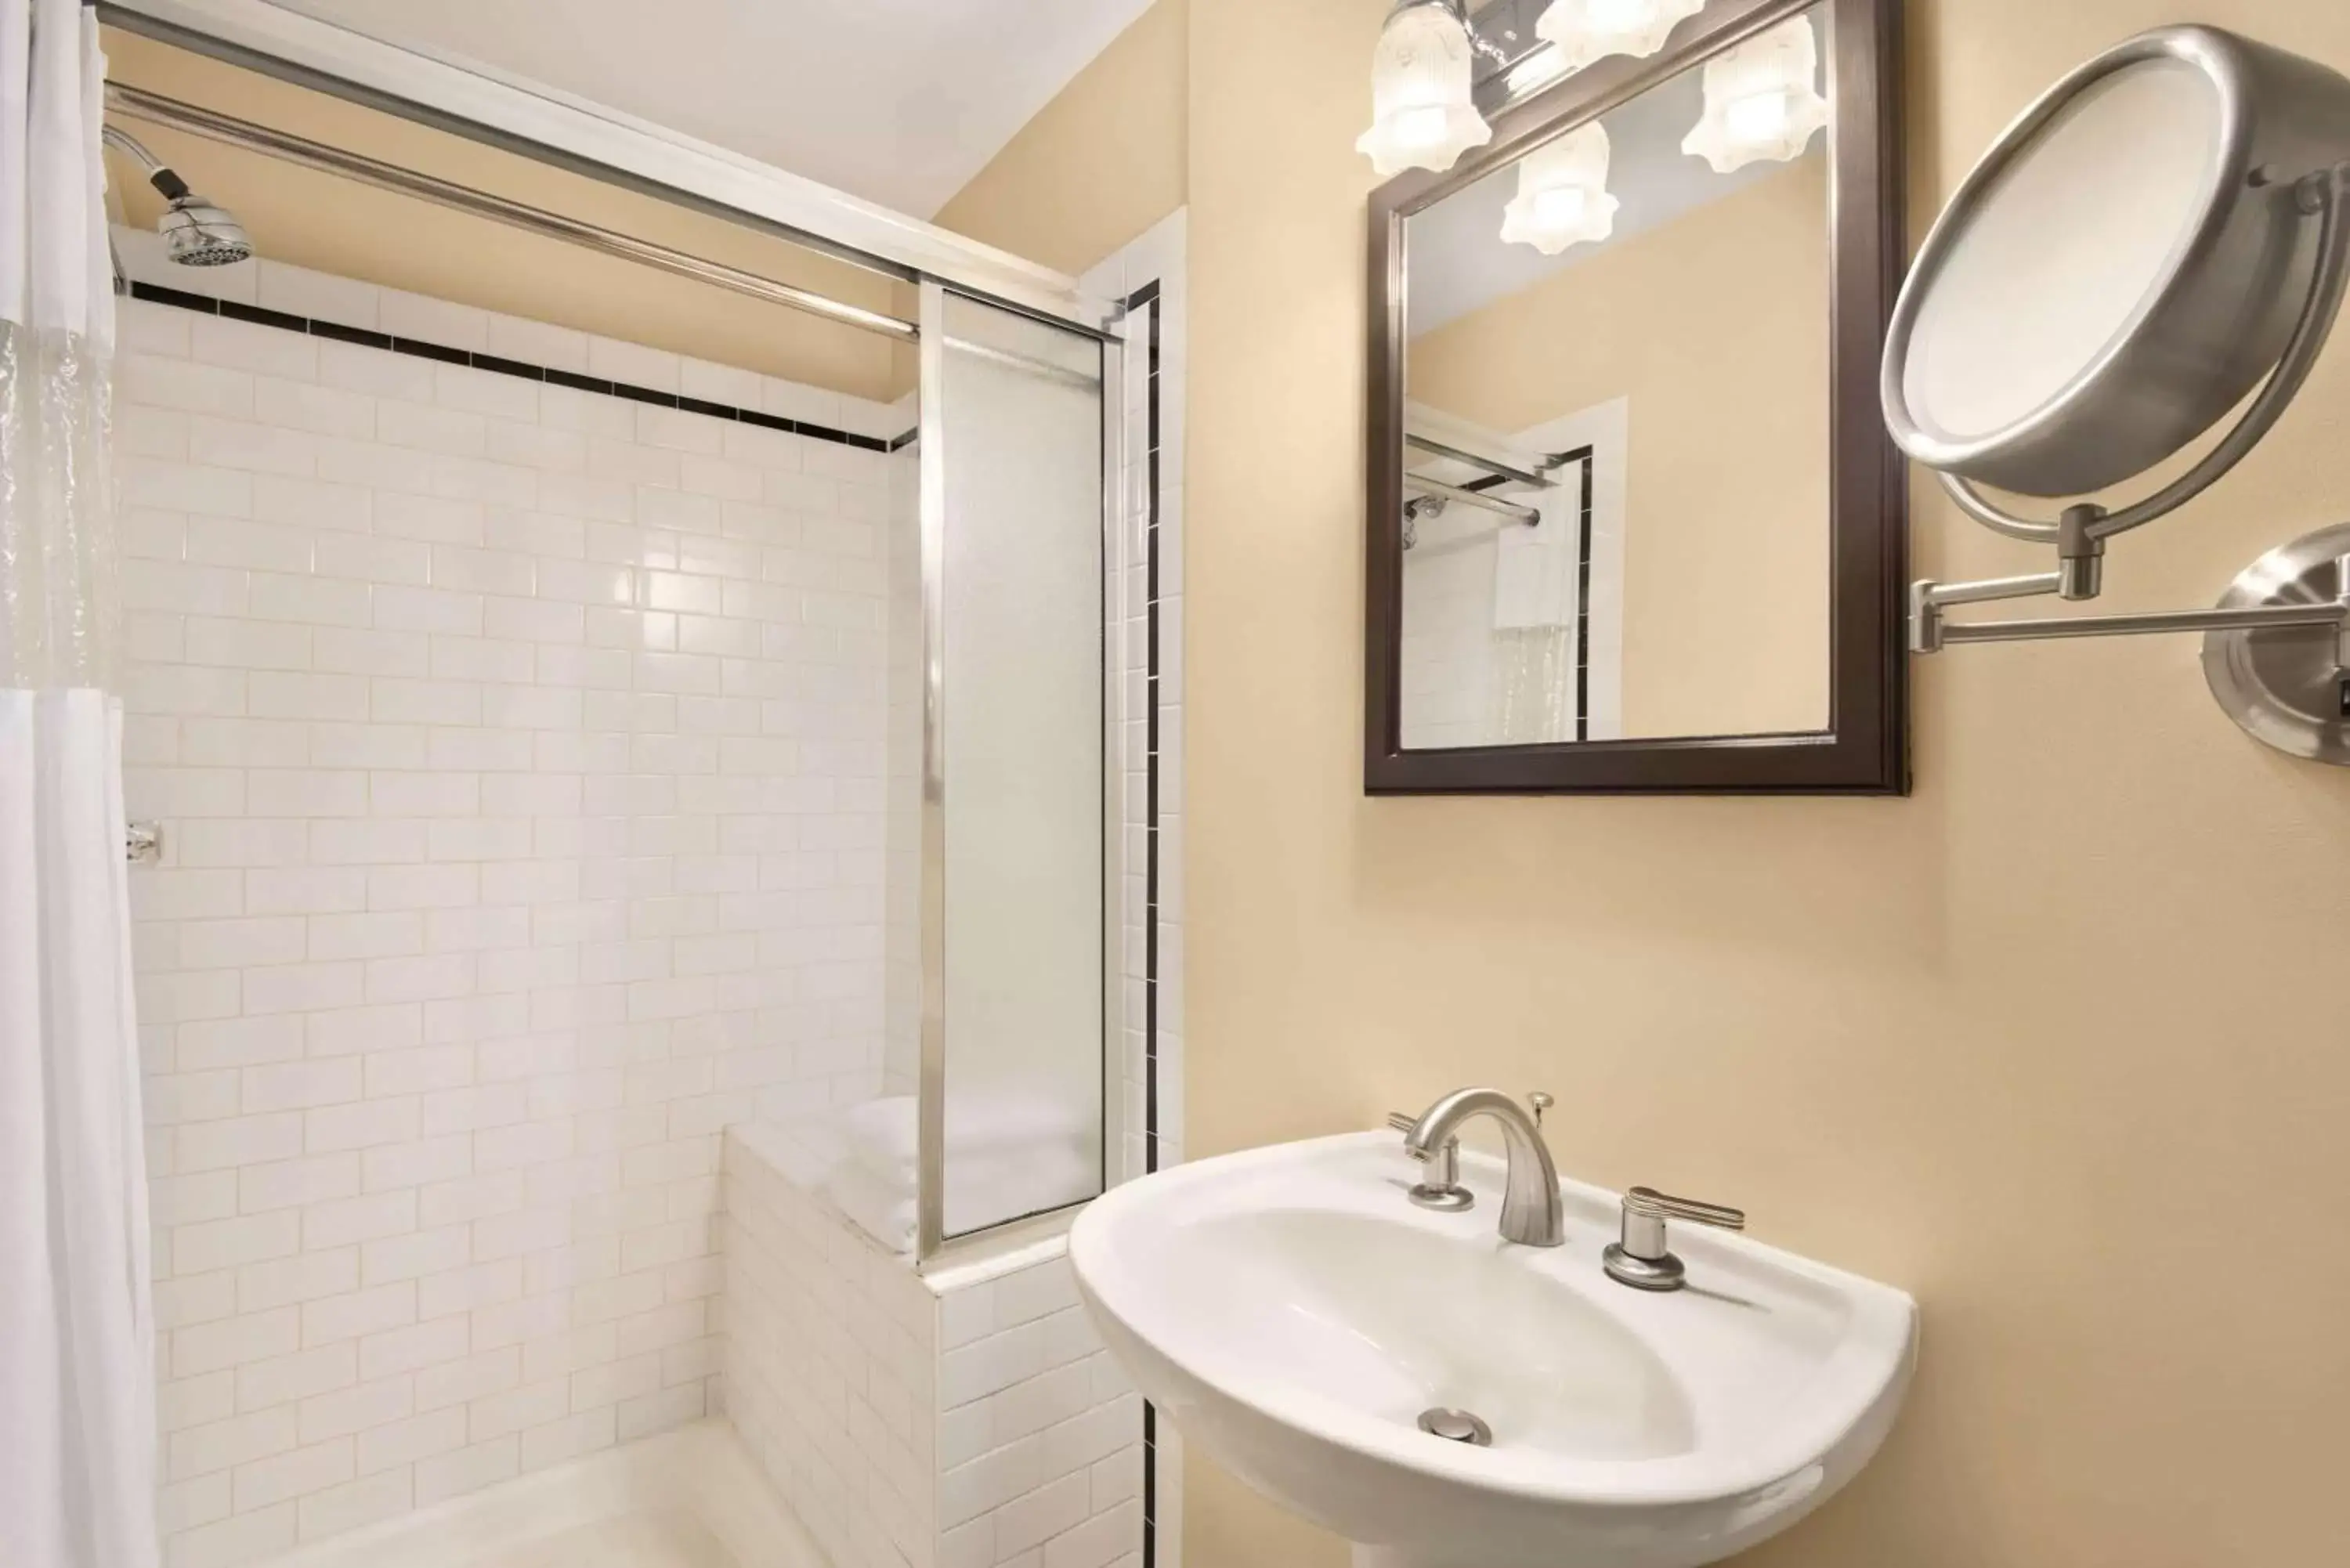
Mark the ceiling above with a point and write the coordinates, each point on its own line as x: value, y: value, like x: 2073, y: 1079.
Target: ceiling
x: 898, y: 101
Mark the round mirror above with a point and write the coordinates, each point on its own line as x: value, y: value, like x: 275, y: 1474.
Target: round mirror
x: 2126, y: 264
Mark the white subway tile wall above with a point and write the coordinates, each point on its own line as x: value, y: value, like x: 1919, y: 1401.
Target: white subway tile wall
x: 520, y: 756
x: 910, y: 1427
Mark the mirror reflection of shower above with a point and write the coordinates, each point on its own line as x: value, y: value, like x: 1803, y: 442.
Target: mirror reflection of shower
x: 196, y: 231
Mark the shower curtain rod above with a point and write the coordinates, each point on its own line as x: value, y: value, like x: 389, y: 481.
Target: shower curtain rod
x: 140, y: 104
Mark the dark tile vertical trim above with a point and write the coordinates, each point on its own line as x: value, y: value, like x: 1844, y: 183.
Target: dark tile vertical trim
x: 1149, y: 1485
x: 1144, y: 303
x: 1587, y: 457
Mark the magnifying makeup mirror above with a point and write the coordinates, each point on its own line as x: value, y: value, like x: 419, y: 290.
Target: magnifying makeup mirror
x: 2163, y: 235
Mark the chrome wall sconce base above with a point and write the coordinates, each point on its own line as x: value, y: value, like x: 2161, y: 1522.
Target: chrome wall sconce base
x: 2288, y: 684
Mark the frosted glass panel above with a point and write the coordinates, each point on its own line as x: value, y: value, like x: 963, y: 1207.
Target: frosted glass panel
x: 1020, y: 435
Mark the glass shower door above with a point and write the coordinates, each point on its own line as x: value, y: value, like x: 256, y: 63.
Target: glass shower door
x: 1015, y: 808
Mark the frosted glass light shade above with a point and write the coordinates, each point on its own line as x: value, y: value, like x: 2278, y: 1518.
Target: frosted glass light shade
x: 1562, y: 196
x: 1588, y: 30
x: 1423, y: 112
x: 1761, y: 100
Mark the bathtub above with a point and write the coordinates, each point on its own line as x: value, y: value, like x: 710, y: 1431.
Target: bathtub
x: 690, y: 1497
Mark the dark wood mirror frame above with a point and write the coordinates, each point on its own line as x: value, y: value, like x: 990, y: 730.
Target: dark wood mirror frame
x: 1864, y: 751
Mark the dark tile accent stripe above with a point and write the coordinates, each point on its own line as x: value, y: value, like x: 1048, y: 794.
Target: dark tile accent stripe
x: 644, y: 395
x: 204, y: 303
x: 259, y: 316
x: 342, y: 334
x: 579, y: 383
x: 508, y: 367
x: 422, y: 350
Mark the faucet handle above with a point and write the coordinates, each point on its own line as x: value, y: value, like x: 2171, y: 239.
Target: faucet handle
x: 1649, y: 1203
x: 1640, y: 1258
x: 1541, y: 1102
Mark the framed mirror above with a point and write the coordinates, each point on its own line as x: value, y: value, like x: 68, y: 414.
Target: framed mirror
x: 1635, y: 523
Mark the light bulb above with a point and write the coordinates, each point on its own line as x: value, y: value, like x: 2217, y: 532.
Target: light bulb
x: 1560, y: 205
x: 1760, y: 117
x: 1418, y: 127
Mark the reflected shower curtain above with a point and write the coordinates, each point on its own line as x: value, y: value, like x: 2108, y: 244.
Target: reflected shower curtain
x: 1533, y: 700
x: 77, y: 1338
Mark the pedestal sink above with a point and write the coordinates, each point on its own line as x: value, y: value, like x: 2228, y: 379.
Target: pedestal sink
x: 1296, y: 1315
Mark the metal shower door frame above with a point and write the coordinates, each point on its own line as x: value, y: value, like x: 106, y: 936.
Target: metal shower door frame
x: 932, y: 1246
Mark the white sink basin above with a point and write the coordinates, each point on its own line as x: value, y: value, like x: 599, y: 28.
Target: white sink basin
x: 1293, y: 1313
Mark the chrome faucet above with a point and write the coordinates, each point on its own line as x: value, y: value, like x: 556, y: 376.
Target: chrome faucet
x: 1531, y: 1210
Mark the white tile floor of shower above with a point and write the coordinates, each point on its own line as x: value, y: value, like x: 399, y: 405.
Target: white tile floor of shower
x: 688, y: 1499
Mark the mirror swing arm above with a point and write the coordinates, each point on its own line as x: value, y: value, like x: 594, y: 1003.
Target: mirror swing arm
x: 2080, y: 533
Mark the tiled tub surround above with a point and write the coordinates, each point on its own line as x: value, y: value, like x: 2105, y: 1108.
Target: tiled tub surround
x: 519, y: 750
x: 962, y: 1420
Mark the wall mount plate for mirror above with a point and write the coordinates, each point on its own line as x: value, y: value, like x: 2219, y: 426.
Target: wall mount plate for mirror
x: 2165, y: 231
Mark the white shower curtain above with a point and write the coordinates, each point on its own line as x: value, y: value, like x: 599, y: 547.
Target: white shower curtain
x: 77, y: 1338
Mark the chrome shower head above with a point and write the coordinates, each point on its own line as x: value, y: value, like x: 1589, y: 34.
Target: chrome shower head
x: 196, y: 231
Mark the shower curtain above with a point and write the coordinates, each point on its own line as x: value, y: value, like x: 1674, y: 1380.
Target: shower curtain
x: 76, y: 1337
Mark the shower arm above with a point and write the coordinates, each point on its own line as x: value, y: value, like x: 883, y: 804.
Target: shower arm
x: 159, y: 173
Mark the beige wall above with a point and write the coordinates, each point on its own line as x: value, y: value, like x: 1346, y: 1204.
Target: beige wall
x: 1100, y: 163
x: 2043, y: 1043
x: 1713, y: 327
x: 340, y: 227
x: 2055, y: 1043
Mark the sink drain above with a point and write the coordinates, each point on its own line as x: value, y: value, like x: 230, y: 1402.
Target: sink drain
x: 1456, y: 1426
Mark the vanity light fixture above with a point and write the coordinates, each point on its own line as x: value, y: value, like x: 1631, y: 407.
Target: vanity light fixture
x: 2166, y: 230
x: 1761, y: 100
x: 1562, y: 196
x: 1588, y: 30
x: 1423, y: 113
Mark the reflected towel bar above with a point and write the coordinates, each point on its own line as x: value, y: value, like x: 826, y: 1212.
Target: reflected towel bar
x: 1477, y: 498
